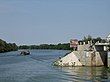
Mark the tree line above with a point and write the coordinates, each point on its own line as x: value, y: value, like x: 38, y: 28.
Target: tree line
x: 6, y: 47
x: 65, y: 46
x: 94, y: 40
x: 62, y: 46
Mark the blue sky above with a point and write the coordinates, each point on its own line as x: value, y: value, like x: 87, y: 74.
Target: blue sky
x: 53, y: 21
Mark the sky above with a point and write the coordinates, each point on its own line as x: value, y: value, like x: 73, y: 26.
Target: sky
x: 33, y: 22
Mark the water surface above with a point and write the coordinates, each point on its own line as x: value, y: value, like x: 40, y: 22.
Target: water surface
x: 38, y: 67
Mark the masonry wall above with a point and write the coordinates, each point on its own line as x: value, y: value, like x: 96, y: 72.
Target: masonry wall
x: 101, y: 58
x: 91, y: 58
x: 84, y: 57
x: 108, y: 59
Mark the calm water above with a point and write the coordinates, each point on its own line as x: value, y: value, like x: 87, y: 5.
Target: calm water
x: 38, y: 67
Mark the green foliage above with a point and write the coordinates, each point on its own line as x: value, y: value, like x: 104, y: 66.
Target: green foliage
x: 94, y: 40
x: 65, y: 46
x: 24, y: 47
x: 109, y: 69
x: 5, y: 47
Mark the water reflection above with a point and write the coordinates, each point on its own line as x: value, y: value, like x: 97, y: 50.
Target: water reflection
x: 82, y: 74
x: 38, y: 67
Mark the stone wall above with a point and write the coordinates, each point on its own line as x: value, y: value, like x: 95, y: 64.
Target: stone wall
x: 85, y: 57
x: 108, y: 59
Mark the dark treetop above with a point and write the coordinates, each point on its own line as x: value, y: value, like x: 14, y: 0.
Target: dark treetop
x: 6, y: 47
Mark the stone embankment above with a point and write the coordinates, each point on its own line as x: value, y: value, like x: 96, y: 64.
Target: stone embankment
x: 86, y: 55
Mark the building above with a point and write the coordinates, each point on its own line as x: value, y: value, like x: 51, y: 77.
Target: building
x: 74, y: 44
x: 108, y: 38
x: 86, y: 55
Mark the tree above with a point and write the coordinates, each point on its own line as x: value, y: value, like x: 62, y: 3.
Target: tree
x: 5, y: 47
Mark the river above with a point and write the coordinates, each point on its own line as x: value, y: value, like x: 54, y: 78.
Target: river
x: 37, y: 67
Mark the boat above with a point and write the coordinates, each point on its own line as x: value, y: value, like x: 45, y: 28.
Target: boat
x: 25, y: 53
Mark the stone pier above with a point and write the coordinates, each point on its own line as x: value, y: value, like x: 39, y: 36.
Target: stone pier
x: 86, y: 55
